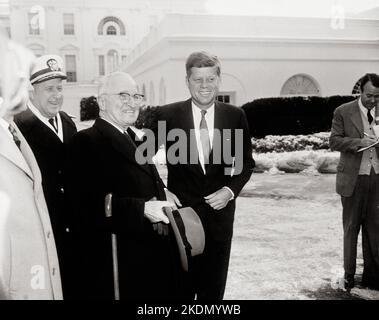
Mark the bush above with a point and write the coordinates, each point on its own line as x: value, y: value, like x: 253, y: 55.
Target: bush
x: 89, y: 108
x: 291, y: 115
x: 147, y: 117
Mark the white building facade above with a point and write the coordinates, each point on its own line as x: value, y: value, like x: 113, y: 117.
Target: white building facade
x: 260, y: 56
x: 93, y: 37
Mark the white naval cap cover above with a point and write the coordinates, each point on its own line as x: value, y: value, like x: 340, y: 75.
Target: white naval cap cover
x: 47, y: 67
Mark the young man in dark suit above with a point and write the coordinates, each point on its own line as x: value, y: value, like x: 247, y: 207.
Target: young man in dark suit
x: 48, y: 131
x: 206, y: 180
x: 358, y: 179
x: 103, y: 163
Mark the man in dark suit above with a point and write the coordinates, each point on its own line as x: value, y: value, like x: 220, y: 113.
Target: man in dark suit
x: 48, y: 131
x: 103, y: 162
x: 205, y: 179
x: 353, y: 128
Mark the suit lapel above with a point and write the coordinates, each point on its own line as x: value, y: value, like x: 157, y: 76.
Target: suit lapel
x: 9, y: 150
x: 120, y: 142
x: 45, y: 135
x: 67, y: 127
x: 31, y: 160
x: 356, y: 118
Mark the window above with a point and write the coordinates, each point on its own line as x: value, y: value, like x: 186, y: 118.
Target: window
x: 101, y: 66
x: 224, y: 98
x: 112, y: 60
x: 111, y: 31
x: 33, y: 18
x: 68, y: 24
x: 107, y: 22
x: 123, y: 59
x: 300, y: 84
x: 71, y: 68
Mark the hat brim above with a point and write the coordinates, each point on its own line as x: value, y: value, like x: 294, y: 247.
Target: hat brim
x: 42, y: 78
x: 188, y: 231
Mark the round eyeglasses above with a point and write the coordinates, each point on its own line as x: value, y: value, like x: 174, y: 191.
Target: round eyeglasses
x: 128, y: 98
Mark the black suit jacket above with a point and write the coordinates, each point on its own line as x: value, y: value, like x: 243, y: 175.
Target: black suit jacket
x: 51, y: 155
x: 102, y: 161
x: 189, y: 182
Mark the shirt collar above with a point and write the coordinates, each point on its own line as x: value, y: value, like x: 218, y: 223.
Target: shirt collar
x: 210, y: 110
x: 139, y: 133
x: 34, y: 109
x: 364, y: 109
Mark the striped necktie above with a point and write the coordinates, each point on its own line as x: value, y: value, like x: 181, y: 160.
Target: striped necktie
x: 16, y: 139
x: 204, y: 137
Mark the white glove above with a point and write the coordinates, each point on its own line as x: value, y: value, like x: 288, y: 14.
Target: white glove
x: 154, y: 211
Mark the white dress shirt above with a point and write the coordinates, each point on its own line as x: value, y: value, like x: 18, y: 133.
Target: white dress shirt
x: 209, y: 117
x: 364, y: 111
x: 45, y: 120
x: 139, y: 133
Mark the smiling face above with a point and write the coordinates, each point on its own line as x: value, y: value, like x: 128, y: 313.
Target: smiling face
x: 112, y: 108
x: 203, y: 84
x: 370, y: 95
x: 47, y: 97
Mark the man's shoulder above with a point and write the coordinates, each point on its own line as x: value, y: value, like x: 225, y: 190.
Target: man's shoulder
x: 229, y: 108
x: 347, y: 107
x: 67, y: 118
x: 25, y: 118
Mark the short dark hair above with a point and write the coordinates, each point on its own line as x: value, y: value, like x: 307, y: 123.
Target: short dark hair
x: 202, y: 59
x: 370, y: 77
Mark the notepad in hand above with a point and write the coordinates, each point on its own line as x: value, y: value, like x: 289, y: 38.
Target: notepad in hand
x: 368, y: 147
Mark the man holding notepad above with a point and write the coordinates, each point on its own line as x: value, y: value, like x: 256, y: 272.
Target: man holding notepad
x: 355, y: 134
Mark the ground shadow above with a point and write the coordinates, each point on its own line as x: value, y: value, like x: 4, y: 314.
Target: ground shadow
x: 328, y: 293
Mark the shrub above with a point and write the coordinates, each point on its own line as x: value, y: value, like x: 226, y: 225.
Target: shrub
x: 291, y: 115
x: 89, y: 108
x: 147, y: 117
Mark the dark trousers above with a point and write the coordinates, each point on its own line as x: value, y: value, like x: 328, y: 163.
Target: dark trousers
x: 209, y: 270
x: 362, y: 210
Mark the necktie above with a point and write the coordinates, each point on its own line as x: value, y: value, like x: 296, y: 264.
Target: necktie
x: 369, y: 117
x: 132, y: 135
x: 16, y: 139
x: 204, y: 137
x: 54, y: 121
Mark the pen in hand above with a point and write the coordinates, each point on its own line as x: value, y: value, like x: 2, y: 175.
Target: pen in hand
x: 367, y: 135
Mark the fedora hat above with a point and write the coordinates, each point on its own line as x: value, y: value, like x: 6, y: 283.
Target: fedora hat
x: 47, y: 67
x: 189, y: 232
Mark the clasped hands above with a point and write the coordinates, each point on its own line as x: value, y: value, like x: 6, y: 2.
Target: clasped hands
x: 219, y: 199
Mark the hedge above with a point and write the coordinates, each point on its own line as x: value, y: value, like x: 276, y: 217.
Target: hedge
x: 292, y: 115
x: 89, y: 108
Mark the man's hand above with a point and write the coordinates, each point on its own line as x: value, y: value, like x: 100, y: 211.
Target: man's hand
x: 154, y: 211
x: 219, y: 199
x: 368, y: 140
x: 171, y: 197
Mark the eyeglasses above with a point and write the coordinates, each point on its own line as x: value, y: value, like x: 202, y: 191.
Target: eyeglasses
x: 127, y: 97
